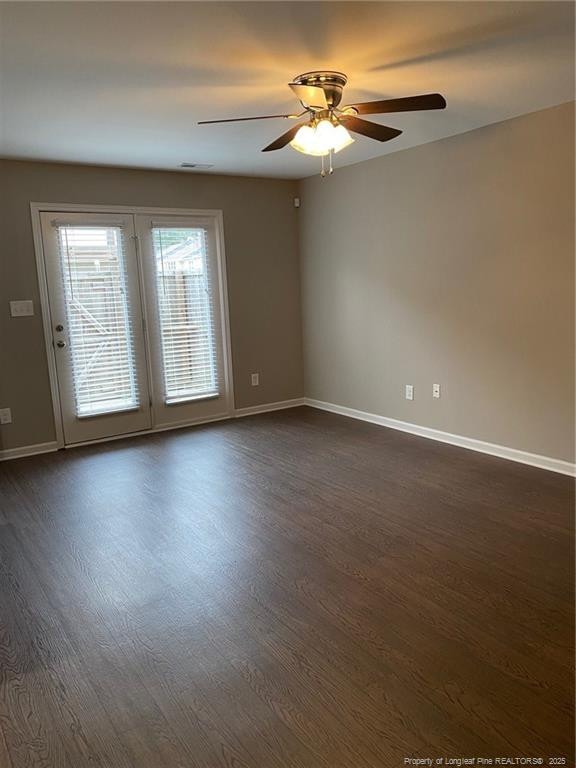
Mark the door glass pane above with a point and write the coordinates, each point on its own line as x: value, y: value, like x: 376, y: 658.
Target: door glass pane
x: 188, y: 337
x: 98, y: 319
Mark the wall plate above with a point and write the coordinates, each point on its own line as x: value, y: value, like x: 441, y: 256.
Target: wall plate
x: 24, y: 308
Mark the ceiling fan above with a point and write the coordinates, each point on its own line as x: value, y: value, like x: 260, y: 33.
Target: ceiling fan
x: 327, y: 125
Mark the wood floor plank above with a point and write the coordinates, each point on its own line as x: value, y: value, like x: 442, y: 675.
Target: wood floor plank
x: 44, y: 692
x: 291, y: 590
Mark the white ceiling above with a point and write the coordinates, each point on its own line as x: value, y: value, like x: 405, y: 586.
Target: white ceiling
x: 125, y: 83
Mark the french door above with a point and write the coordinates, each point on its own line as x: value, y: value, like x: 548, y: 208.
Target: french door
x: 137, y: 308
x: 183, y: 299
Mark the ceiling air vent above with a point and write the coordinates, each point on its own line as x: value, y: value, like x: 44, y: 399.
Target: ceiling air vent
x: 197, y: 166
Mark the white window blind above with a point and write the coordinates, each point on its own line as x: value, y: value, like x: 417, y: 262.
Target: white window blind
x: 99, y: 327
x: 187, y: 331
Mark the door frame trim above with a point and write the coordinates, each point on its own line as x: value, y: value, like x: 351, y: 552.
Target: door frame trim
x: 37, y: 208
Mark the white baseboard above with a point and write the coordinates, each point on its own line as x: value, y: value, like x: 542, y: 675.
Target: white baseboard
x: 28, y: 450
x: 278, y: 406
x: 501, y: 451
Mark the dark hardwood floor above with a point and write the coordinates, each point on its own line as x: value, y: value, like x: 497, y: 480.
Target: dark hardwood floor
x: 291, y: 590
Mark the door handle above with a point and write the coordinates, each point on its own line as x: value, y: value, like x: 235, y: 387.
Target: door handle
x: 61, y: 344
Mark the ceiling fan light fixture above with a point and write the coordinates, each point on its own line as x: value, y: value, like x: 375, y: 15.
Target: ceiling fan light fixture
x: 321, y: 139
x: 328, y: 123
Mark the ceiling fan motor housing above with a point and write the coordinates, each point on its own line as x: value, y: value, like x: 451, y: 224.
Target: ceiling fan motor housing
x: 332, y: 83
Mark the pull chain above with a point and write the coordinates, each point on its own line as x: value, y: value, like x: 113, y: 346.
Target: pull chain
x: 330, y: 171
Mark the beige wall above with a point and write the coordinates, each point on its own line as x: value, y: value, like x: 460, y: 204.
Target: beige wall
x: 260, y: 226
x: 452, y: 262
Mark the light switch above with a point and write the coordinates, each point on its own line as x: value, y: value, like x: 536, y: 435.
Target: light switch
x: 22, y: 308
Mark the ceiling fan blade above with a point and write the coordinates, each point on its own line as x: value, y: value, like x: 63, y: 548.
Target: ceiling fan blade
x: 310, y: 95
x: 243, y: 119
x: 281, y: 141
x: 407, y: 104
x: 372, y: 130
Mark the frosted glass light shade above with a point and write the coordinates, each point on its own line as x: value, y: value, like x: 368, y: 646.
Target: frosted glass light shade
x: 305, y: 142
x: 341, y: 138
x: 324, y: 134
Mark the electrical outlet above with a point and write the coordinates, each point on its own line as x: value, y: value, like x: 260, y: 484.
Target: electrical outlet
x: 409, y: 392
x: 436, y: 390
x: 255, y: 379
x: 5, y: 416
